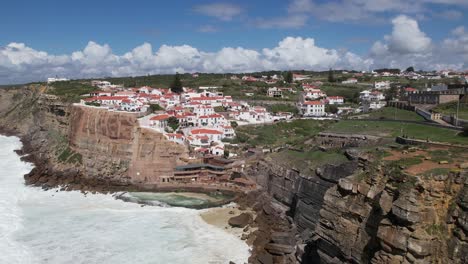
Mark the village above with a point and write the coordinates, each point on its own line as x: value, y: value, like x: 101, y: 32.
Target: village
x: 205, y: 119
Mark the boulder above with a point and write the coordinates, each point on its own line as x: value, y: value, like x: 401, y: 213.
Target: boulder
x: 241, y: 220
x: 279, y: 249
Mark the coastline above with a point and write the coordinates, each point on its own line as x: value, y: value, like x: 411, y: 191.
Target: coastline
x: 47, y: 176
x: 219, y: 218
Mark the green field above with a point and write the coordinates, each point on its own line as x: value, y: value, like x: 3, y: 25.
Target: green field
x: 70, y: 91
x: 307, y: 161
x: 293, y: 133
x: 451, y: 109
x: 393, y: 113
x: 394, y: 129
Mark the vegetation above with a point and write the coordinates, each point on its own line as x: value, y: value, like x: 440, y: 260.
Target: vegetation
x: 70, y: 91
x: 173, y: 123
x: 451, y: 109
x: 349, y: 92
x: 294, y: 133
x: 176, y: 86
x: 331, y: 76
x: 219, y: 109
x: 393, y: 113
x: 331, y: 109
x: 288, y: 77
x: 394, y: 129
x: 276, y: 108
x: 155, y: 107
x: 308, y: 160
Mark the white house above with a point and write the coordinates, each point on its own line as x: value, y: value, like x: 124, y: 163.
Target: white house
x: 382, y: 85
x: 335, y: 100
x: 313, y: 108
x: 350, y: 81
x: 274, y: 92
x: 159, y: 121
x: 203, y: 110
x: 175, y: 137
x: 300, y: 77
x: 51, y: 80
x: 314, y: 94
x: 211, y: 134
x: 212, y: 120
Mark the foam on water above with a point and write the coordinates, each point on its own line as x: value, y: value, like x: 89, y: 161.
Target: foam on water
x: 66, y: 227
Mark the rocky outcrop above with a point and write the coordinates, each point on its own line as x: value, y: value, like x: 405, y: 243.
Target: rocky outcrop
x: 114, y: 147
x: 363, y: 211
x: 84, y: 145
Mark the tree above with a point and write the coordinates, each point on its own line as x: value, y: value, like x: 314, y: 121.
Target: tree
x: 226, y: 154
x: 234, y: 124
x: 288, y: 77
x: 465, y: 131
x: 331, y: 109
x: 155, y: 107
x: 173, y: 123
x: 410, y: 69
x: 331, y: 77
x: 176, y: 86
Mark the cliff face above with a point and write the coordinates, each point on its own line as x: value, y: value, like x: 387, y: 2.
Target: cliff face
x: 365, y: 212
x: 80, y: 142
x: 113, y: 146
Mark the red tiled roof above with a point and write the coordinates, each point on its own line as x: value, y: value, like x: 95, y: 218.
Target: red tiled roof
x: 205, y: 131
x: 313, y: 103
x: 160, y: 117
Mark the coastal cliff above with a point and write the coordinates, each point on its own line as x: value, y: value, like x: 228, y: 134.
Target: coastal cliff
x: 365, y: 211
x: 113, y: 146
x: 85, y: 148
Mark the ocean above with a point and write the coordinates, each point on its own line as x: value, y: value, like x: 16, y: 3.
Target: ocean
x: 39, y: 226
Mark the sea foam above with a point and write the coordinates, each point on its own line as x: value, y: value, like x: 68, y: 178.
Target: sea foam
x: 39, y: 226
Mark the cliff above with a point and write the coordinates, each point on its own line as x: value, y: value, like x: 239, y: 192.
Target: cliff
x: 365, y: 211
x: 113, y: 146
x: 85, y: 147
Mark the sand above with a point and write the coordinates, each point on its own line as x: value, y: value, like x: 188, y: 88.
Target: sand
x: 220, y: 216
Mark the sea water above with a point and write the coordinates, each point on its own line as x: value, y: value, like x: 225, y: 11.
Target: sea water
x: 39, y: 226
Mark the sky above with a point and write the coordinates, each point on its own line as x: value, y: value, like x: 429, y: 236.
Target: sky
x: 90, y: 39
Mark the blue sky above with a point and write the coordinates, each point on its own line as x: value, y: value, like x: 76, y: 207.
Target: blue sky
x: 355, y: 26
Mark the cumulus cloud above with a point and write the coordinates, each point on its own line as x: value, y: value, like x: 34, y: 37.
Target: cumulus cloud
x: 20, y: 63
x: 365, y: 10
x: 222, y: 11
x: 407, y: 46
x: 292, y: 21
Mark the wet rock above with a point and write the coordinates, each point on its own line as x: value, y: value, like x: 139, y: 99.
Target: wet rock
x: 241, y: 220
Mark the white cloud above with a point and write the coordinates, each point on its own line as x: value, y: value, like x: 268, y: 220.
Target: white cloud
x: 406, y: 37
x: 407, y: 46
x: 292, y: 21
x: 222, y: 11
x: 19, y: 63
x: 372, y: 10
x: 207, y: 29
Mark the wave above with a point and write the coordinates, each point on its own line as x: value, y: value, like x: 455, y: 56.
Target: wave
x: 39, y: 226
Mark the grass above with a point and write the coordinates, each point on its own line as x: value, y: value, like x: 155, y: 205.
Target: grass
x: 394, y: 129
x: 393, y: 113
x: 307, y: 161
x: 293, y: 133
x: 70, y: 91
x: 275, y: 108
x: 437, y: 171
x: 349, y: 92
x: 451, y: 109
